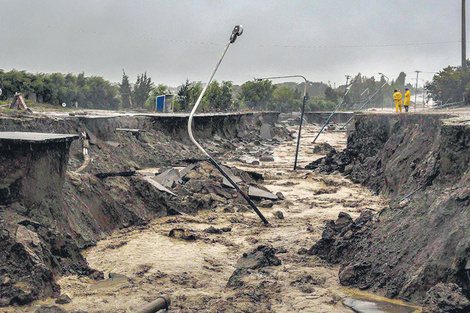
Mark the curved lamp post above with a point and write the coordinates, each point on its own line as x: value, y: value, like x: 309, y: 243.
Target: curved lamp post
x: 301, y: 114
x: 237, y: 31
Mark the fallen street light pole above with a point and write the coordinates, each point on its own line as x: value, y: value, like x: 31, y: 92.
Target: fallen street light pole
x: 301, y: 114
x: 161, y: 303
x: 362, y: 106
x: 333, y: 113
x: 237, y: 31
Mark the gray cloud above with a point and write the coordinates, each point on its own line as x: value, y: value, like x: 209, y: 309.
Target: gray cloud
x: 175, y: 40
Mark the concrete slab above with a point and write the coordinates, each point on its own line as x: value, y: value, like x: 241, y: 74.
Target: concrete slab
x: 232, y: 176
x: 186, y: 170
x: 29, y: 137
x: 157, y: 185
x: 260, y: 193
x: 169, y: 178
x: 265, y: 132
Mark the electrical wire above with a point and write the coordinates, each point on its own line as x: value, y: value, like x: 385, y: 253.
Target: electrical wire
x: 248, y: 45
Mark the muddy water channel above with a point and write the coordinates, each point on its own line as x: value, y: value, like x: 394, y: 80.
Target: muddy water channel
x: 143, y: 262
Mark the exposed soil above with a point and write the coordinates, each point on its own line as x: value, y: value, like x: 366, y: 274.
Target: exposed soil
x: 194, y: 266
x: 420, y: 162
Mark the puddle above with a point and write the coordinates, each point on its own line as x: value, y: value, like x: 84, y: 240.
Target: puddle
x: 363, y: 302
x: 113, y: 281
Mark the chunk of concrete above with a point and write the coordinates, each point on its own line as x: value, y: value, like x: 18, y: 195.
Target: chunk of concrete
x: 232, y: 176
x: 157, y: 185
x: 265, y: 132
x: 260, y: 193
x: 266, y: 158
x: 169, y: 178
x: 186, y: 170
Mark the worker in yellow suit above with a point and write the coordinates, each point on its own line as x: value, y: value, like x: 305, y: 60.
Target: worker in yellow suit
x: 397, y: 96
x: 407, y: 99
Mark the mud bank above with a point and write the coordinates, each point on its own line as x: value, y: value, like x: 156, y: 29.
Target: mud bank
x: 414, y: 244
x: 84, y: 208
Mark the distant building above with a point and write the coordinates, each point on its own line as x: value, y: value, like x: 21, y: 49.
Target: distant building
x: 164, y: 103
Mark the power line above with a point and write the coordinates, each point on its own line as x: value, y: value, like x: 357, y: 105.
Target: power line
x: 248, y: 45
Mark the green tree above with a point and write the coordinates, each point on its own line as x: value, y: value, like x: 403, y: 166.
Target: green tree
x: 218, y: 97
x: 284, y: 100
x: 331, y: 95
x: 257, y: 95
x: 142, y: 89
x: 126, y: 91
x: 184, y: 96
x: 450, y: 85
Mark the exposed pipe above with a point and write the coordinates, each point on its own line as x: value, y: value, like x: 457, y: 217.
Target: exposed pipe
x: 301, y: 114
x: 161, y: 303
x: 237, y: 31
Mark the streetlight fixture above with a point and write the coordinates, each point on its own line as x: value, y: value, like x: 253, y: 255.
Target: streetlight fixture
x: 237, y: 31
x: 302, y: 111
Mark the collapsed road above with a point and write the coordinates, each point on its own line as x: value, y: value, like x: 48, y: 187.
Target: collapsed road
x: 121, y: 241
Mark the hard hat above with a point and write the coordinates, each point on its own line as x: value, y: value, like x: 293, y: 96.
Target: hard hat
x: 406, y: 89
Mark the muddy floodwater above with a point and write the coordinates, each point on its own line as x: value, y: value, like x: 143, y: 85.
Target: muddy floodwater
x: 142, y: 262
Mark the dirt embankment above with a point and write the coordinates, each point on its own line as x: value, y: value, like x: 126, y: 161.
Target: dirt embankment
x: 416, y: 242
x: 48, y: 237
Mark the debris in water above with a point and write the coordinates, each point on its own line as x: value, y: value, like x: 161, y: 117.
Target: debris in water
x: 259, y: 193
x: 181, y: 233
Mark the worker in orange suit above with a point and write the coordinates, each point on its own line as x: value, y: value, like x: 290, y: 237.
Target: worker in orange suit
x: 397, y: 96
x: 407, y: 102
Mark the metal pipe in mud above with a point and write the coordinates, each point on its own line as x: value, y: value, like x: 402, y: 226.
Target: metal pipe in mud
x: 301, y: 114
x: 161, y: 303
x: 237, y: 31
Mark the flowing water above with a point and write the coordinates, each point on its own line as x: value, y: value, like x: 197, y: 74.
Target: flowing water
x: 144, y: 261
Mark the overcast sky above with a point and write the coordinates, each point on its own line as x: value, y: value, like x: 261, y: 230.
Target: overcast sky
x: 175, y: 40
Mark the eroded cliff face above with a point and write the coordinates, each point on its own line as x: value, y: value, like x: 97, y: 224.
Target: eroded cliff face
x: 409, y: 247
x: 48, y: 212
x: 33, y: 249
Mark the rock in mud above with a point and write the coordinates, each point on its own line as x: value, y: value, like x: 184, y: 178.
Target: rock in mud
x: 63, y: 299
x: 322, y: 147
x: 181, y: 233
x: 278, y: 214
x: 260, y: 257
x: 280, y: 195
x: 213, y: 230
x: 266, y: 204
x: 266, y: 158
x: 50, y: 309
x: 447, y: 298
x: 339, y: 236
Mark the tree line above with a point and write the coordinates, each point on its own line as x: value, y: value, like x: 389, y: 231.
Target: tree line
x: 450, y: 85
x: 57, y: 88
x: 98, y: 93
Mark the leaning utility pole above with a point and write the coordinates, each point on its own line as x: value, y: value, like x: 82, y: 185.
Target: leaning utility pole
x: 416, y: 90
x: 464, y: 40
